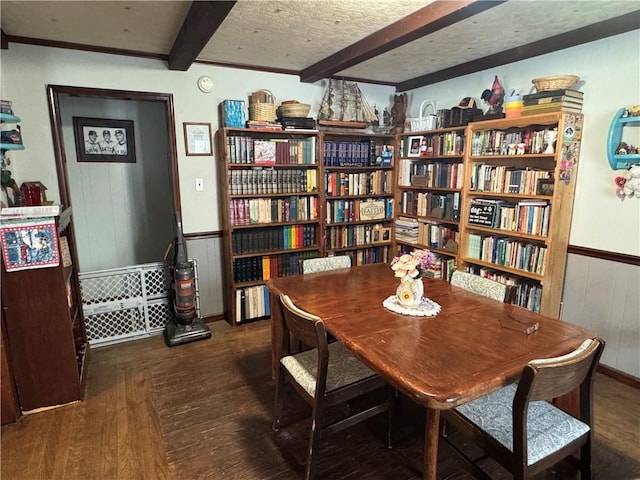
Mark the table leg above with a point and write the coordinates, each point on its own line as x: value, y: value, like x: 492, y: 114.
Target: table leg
x: 276, y: 333
x: 431, y: 430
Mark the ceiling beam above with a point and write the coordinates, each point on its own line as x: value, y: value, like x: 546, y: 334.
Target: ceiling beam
x: 201, y: 22
x: 4, y: 41
x: 435, y: 16
x: 590, y: 33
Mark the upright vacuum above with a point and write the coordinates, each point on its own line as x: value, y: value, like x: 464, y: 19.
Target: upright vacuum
x: 185, y: 326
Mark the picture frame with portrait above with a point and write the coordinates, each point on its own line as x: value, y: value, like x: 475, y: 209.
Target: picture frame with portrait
x: 413, y: 149
x: 104, y: 140
x: 545, y: 187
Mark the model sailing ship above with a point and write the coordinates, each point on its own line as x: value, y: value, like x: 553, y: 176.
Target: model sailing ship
x: 344, y: 106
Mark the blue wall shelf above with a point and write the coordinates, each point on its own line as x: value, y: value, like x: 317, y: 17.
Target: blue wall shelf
x: 620, y: 162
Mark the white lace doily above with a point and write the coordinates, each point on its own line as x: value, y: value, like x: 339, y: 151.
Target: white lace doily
x: 427, y: 308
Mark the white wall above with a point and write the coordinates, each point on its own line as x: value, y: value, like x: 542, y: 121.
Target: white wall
x: 609, y: 70
x: 27, y: 70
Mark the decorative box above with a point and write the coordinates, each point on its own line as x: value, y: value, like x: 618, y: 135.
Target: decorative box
x: 232, y: 113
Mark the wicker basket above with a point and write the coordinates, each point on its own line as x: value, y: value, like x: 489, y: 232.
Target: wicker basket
x: 263, y: 112
x: 559, y: 82
x: 294, y: 109
x: 424, y: 122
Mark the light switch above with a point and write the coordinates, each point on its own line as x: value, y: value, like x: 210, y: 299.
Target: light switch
x: 199, y: 185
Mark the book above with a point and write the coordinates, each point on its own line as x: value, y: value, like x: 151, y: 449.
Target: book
x: 550, y: 109
x: 32, y: 211
x: 264, y: 152
x: 547, y: 100
x: 554, y: 93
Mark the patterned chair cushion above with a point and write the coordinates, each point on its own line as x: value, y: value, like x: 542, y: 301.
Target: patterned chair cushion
x: 313, y: 265
x: 480, y: 285
x: 548, y: 427
x: 343, y: 368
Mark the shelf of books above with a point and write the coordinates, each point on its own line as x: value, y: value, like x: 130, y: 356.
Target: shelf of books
x: 358, y: 178
x: 517, y: 204
x: 428, y: 197
x: 269, y: 181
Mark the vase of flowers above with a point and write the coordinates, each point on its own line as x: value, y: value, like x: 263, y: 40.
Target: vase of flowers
x: 410, y: 268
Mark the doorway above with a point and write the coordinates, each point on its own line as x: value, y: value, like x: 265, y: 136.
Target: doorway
x: 123, y: 212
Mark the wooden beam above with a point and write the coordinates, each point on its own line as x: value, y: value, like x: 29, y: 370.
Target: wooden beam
x: 4, y: 41
x: 435, y: 16
x: 597, y: 31
x: 201, y: 22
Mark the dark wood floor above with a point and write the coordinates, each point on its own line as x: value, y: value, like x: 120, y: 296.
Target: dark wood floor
x: 203, y: 411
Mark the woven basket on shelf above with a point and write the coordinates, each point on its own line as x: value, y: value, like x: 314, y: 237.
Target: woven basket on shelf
x: 558, y: 82
x: 263, y: 112
x: 294, y: 109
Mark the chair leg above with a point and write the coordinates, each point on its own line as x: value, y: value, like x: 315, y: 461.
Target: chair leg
x: 314, y: 440
x: 585, y: 461
x: 278, y: 401
x: 391, y: 402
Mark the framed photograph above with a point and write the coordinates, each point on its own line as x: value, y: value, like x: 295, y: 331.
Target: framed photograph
x: 104, y: 140
x: 197, y: 139
x: 414, y: 146
x: 545, y: 187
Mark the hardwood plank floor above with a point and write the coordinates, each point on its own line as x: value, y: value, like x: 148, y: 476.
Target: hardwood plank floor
x: 203, y: 411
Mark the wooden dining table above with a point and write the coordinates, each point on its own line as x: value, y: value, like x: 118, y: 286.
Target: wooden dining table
x: 473, y: 346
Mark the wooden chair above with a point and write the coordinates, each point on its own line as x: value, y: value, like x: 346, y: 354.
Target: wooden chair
x: 522, y: 431
x: 324, y: 376
x: 480, y: 285
x: 322, y: 264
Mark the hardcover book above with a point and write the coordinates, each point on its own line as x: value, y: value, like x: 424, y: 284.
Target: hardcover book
x: 264, y: 152
x: 554, y: 93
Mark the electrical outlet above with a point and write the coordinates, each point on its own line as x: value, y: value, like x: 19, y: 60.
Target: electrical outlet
x: 199, y: 185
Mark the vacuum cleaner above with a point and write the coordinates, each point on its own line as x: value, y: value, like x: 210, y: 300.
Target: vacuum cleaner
x: 185, y: 326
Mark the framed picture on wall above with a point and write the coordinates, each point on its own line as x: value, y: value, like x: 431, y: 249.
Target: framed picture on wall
x: 197, y: 139
x: 104, y: 140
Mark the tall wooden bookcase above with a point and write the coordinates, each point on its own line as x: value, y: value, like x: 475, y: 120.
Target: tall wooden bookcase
x: 428, y: 195
x: 47, y: 342
x: 292, y: 195
x: 517, y: 204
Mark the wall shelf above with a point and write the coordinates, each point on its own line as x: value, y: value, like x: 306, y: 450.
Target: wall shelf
x: 620, y: 162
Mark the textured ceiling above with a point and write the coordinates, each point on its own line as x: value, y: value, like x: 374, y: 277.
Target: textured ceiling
x: 294, y: 35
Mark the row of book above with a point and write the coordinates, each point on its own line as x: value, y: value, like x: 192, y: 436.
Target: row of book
x: 376, y: 182
x: 504, y: 179
x: 439, y: 145
x: 255, y: 211
x: 444, y: 206
x: 247, y: 150
x: 564, y: 100
x: 356, y: 235
x: 526, y: 294
x: 526, y: 216
x: 340, y: 211
x: 286, y: 237
x: 252, y: 303
x: 263, y: 267
x: 365, y: 256
x: 432, y: 175
x: 436, y: 235
x: 406, y: 230
x: 507, y: 252
x: 266, y: 181
x: 363, y: 153
x: 441, y: 267
x: 530, y: 140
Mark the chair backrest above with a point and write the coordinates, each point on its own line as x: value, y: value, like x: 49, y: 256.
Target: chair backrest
x: 549, y: 378
x: 322, y: 264
x: 304, y: 326
x: 480, y: 285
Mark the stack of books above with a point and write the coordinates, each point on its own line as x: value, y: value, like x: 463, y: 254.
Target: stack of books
x: 564, y: 100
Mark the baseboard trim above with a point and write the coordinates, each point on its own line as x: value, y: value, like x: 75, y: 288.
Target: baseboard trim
x: 213, y: 318
x: 619, y: 375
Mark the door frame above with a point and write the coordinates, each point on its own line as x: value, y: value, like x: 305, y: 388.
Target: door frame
x: 53, y: 101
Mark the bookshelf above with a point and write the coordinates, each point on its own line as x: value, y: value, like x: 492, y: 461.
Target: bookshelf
x: 357, y: 193
x: 517, y: 201
x: 269, y: 184
x: 428, y: 196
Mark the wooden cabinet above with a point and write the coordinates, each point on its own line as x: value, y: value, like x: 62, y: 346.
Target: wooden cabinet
x: 429, y: 194
x: 292, y: 195
x: 520, y: 178
x: 45, y: 329
x: 358, y: 180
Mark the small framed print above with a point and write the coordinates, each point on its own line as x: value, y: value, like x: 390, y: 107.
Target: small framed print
x: 545, y: 187
x: 414, y: 146
x: 104, y: 140
x: 197, y: 139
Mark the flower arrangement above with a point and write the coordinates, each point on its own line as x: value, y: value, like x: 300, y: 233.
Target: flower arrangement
x: 413, y: 265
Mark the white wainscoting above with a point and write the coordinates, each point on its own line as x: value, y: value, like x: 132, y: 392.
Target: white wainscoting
x: 605, y: 296
x: 208, y: 253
